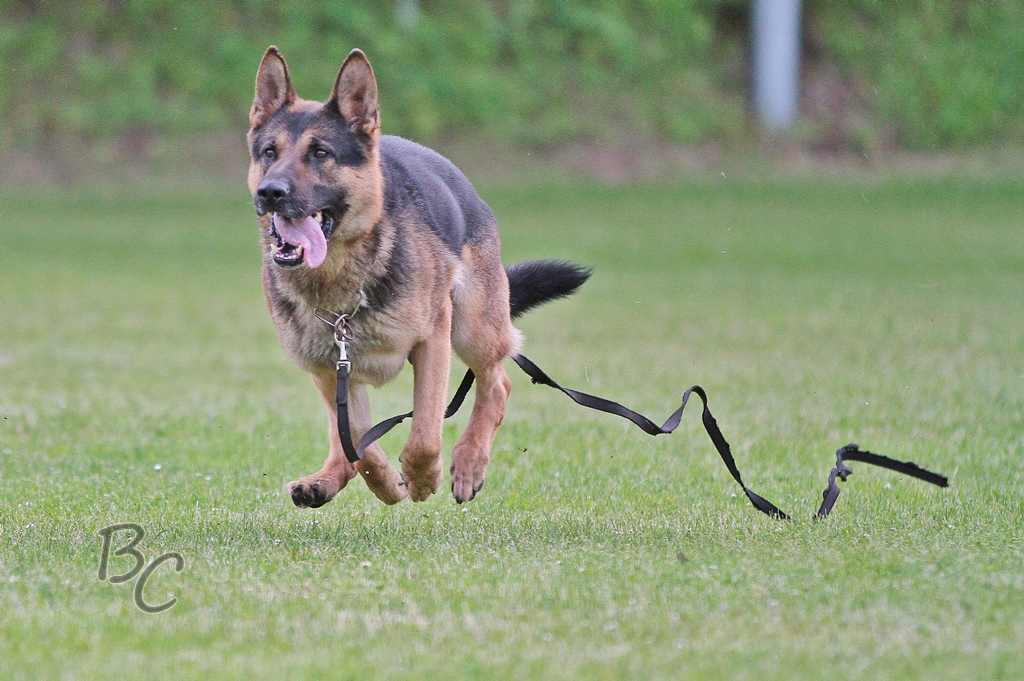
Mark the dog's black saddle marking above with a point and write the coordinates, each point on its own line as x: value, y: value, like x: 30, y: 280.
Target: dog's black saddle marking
x: 424, y: 182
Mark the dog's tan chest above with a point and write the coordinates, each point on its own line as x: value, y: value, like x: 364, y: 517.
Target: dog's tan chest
x: 380, y: 345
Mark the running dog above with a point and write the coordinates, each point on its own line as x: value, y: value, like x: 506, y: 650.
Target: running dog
x: 392, y: 235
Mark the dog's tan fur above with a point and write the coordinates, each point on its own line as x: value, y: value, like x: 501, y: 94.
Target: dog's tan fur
x: 447, y: 299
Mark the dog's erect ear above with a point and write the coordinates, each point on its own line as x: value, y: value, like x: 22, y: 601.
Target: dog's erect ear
x: 273, y: 88
x: 355, y: 94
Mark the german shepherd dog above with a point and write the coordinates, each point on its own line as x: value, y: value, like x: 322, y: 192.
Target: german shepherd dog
x: 393, y: 235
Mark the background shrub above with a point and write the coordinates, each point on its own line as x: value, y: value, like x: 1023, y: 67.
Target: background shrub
x: 937, y: 73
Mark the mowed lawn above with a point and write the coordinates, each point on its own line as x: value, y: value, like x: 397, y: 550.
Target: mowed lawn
x: 141, y: 382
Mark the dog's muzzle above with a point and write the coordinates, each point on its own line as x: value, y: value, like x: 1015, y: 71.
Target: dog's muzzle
x: 300, y: 240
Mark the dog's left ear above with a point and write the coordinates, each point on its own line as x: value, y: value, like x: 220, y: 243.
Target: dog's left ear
x: 355, y: 94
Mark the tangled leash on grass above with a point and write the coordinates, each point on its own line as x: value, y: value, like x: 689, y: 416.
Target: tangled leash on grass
x: 850, y: 452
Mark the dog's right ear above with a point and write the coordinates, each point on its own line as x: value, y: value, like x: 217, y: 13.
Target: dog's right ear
x: 273, y: 88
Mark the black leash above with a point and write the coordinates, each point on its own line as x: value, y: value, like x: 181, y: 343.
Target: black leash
x: 649, y: 427
x: 353, y: 453
x: 850, y: 452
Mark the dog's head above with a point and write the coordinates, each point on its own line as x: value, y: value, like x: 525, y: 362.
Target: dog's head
x: 315, y: 168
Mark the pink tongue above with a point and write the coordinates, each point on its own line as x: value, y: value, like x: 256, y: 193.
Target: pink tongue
x: 306, y: 233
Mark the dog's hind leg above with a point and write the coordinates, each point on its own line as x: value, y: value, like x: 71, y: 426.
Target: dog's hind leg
x: 472, y: 453
x: 483, y: 335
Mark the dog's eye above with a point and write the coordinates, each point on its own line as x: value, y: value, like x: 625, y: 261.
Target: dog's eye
x: 320, y: 153
x: 270, y: 153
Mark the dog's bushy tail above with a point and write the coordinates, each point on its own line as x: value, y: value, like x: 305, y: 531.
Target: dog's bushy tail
x: 535, y: 282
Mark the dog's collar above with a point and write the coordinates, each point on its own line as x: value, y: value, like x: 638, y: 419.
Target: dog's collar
x: 331, y: 318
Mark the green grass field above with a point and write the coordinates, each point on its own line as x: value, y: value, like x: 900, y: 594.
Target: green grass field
x: 141, y: 381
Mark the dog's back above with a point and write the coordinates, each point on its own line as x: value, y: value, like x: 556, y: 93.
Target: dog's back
x: 421, y: 181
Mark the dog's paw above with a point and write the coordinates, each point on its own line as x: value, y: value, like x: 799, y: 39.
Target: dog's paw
x: 386, y: 484
x: 466, y: 487
x: 313, y: 492
x: 468, y: 468
x: 423, y: 482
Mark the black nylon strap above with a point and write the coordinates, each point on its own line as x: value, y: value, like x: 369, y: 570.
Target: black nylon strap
x: 850, y: 452
x: 649, y: 427
x: 341, y: 398
x: 353, y: 453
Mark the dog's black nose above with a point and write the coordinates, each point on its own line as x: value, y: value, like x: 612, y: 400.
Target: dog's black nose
x: 271, y: 192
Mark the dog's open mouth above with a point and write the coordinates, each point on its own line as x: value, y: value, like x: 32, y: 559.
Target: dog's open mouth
x: 301, y: 240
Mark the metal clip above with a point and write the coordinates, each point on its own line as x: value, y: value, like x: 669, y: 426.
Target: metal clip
x: 343, y: 335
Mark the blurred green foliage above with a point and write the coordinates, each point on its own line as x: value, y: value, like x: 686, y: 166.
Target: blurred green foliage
x: 532, y: 72
x: 943, y: 73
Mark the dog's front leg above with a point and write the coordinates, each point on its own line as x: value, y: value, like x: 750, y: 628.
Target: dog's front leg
x: 376, y: 471
x: 317, y: 489
x: 421, y: 457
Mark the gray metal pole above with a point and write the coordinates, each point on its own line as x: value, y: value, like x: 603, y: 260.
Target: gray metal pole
x: 407, y: 13
x: 776, y: 61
